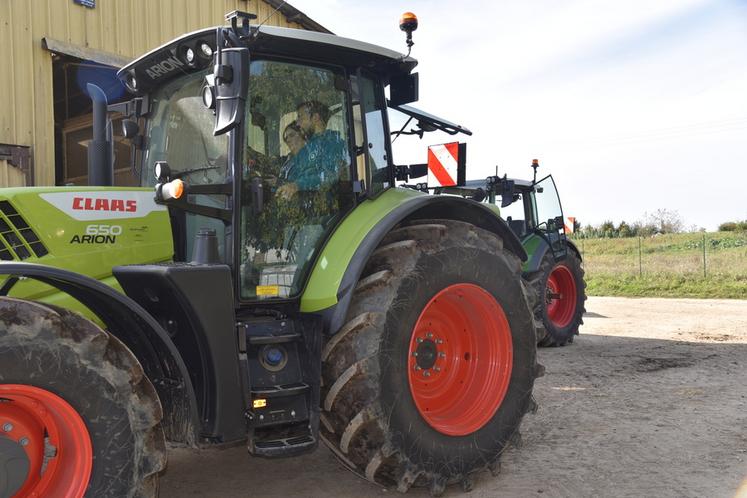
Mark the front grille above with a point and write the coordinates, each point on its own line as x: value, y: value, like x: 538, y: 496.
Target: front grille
x: 17, y: 239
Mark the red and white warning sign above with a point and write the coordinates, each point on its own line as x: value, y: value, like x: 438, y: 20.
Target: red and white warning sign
x: 570, y: 224
x: 443, y: 165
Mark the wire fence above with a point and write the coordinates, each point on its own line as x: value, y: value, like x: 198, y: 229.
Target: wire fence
x: 695, y: 254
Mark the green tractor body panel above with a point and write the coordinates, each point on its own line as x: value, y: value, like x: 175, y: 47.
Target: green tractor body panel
x: 322, y: 287
x: 86, y: 230
x: 533, y: 244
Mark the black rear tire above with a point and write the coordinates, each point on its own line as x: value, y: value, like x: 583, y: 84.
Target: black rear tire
x: 65, y: 354
x: 369, y: 417
x: 551, y: 333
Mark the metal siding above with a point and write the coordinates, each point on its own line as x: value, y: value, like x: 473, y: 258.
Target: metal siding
x: 11, y: 176
x: 123, y: 27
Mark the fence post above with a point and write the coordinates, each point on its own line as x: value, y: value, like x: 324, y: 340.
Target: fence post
x: 705, y: 275
x: 640, y: 261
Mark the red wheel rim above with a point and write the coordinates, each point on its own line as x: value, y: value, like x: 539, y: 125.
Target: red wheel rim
x: 561, y: 296
x: 460, y: 359
x: 42, y: 421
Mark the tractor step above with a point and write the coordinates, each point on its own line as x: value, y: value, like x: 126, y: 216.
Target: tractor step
x: 273, y: 339
x: 283, y: 447
x: 278, y: 391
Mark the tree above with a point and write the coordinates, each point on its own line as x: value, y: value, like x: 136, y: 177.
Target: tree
x: 607, y: 228
x: 667, y: 221
x: 624, y: 230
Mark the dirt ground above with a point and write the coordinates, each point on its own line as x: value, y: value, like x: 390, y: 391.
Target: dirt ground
x: 651, y: 400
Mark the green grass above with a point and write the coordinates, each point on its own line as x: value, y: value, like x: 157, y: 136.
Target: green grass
x: 669, y: 266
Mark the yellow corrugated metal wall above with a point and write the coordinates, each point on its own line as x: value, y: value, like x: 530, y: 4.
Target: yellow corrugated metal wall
x: 123, y: 27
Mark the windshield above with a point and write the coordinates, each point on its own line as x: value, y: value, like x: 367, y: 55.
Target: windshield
x: 295, y: 173
x: 546, y: 201
x: 180, y: 131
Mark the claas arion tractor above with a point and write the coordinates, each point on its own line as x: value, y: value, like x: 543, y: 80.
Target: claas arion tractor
x: 257, y: 287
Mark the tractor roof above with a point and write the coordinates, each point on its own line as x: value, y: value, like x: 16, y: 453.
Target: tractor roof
x: 522, y: 185
x: 168, y: 61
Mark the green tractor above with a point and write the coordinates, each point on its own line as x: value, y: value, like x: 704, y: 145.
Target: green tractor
x: 258, y: 287
x: 553, y: 269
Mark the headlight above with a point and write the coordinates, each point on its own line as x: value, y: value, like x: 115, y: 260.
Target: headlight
x: 206, y: 49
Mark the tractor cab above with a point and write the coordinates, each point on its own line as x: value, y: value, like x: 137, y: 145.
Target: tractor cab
x: 270, y: 136
x: 531, y: 208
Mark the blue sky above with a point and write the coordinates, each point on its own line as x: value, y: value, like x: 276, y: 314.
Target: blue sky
x: 632, y: 106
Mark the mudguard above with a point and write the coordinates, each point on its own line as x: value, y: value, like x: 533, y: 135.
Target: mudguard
x: 130, y: 323
x: 536, y: 248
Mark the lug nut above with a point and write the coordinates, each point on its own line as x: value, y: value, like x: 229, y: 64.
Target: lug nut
x: 415, y: 354
x: 420, y: 339
x: 417, y: 367
x: 441, y: 354
x: 429, y: 334
x: 439, y: 341
x: 7, y: 427
x: 426, y: 374
x: 437, y: 369
x: 24, y: 441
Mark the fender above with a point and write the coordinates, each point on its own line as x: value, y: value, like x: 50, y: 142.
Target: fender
x: 537, y: 247
x: 129, y: 322
x: 358, y: 236
x: 573, y: 246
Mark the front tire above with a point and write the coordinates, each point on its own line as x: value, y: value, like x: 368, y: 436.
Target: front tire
x: 451, y: 293
x: 83, y: 418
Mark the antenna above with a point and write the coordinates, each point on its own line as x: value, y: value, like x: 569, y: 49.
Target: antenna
x: 255, y: 31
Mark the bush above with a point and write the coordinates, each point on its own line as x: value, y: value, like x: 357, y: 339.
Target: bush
x: 733, y: 226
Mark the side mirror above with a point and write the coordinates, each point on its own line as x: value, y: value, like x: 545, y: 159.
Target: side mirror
x: 403, y: 89
x: 225, y: 89
x: 130, y: 128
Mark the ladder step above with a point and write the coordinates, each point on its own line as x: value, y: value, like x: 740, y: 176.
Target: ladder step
x: 277, y: 391
x: 273, y: 339
x: 283, y: 447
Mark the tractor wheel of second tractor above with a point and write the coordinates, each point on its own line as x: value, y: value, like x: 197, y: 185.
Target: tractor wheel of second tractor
x: 560, y: 294
x: 427, y: 382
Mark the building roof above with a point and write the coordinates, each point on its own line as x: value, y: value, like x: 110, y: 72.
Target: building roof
x: 295, y: 15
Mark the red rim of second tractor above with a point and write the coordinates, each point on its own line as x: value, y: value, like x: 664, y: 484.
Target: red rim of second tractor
x: 561, y: 296
x: 460, y: 359
x: 51, y: 432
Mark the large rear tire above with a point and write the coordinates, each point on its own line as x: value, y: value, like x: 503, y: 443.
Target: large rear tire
x: 427, y: 382
x: 560, y: 292
x: 77, y: 414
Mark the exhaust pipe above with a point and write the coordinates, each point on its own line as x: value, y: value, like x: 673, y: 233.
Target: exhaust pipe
x: 100, y: 163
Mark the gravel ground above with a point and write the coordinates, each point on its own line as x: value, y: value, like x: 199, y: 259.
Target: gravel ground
x: 651, y: 400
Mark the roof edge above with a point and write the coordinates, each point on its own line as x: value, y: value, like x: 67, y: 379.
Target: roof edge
x: 295, y: 15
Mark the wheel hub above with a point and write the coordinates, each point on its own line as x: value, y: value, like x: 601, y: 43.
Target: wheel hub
x: 14, y: 466
x: 426, y: 354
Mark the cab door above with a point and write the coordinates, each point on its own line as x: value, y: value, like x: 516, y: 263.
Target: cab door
x: 373, y: 157
x: 296, y: 173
